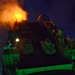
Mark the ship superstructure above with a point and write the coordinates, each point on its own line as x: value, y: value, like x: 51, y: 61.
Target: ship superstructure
x: 36, y: 47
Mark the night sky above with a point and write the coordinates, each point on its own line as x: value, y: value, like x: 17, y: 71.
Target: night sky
x: 62, y: 12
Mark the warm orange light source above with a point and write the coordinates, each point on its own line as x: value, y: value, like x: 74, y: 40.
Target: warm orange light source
x: 19, y: 14
x: 68, y: 38
x: 13, y: 13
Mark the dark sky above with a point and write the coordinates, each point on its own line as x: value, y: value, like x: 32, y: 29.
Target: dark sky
x: 62, y: 12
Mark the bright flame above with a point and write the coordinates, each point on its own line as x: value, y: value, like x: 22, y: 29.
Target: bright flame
x: 13, y: 13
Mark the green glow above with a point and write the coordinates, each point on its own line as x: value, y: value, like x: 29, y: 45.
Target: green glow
x: 27, y: 49
x: 73, y: 54
x: 48, y: 47
x: 42, y: 69
x: 10, y: 59
x: 70, y: 54
x: 11, y: 48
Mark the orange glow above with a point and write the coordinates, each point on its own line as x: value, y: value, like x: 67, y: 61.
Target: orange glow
x: 12, y: 13
x: 68, y: 38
